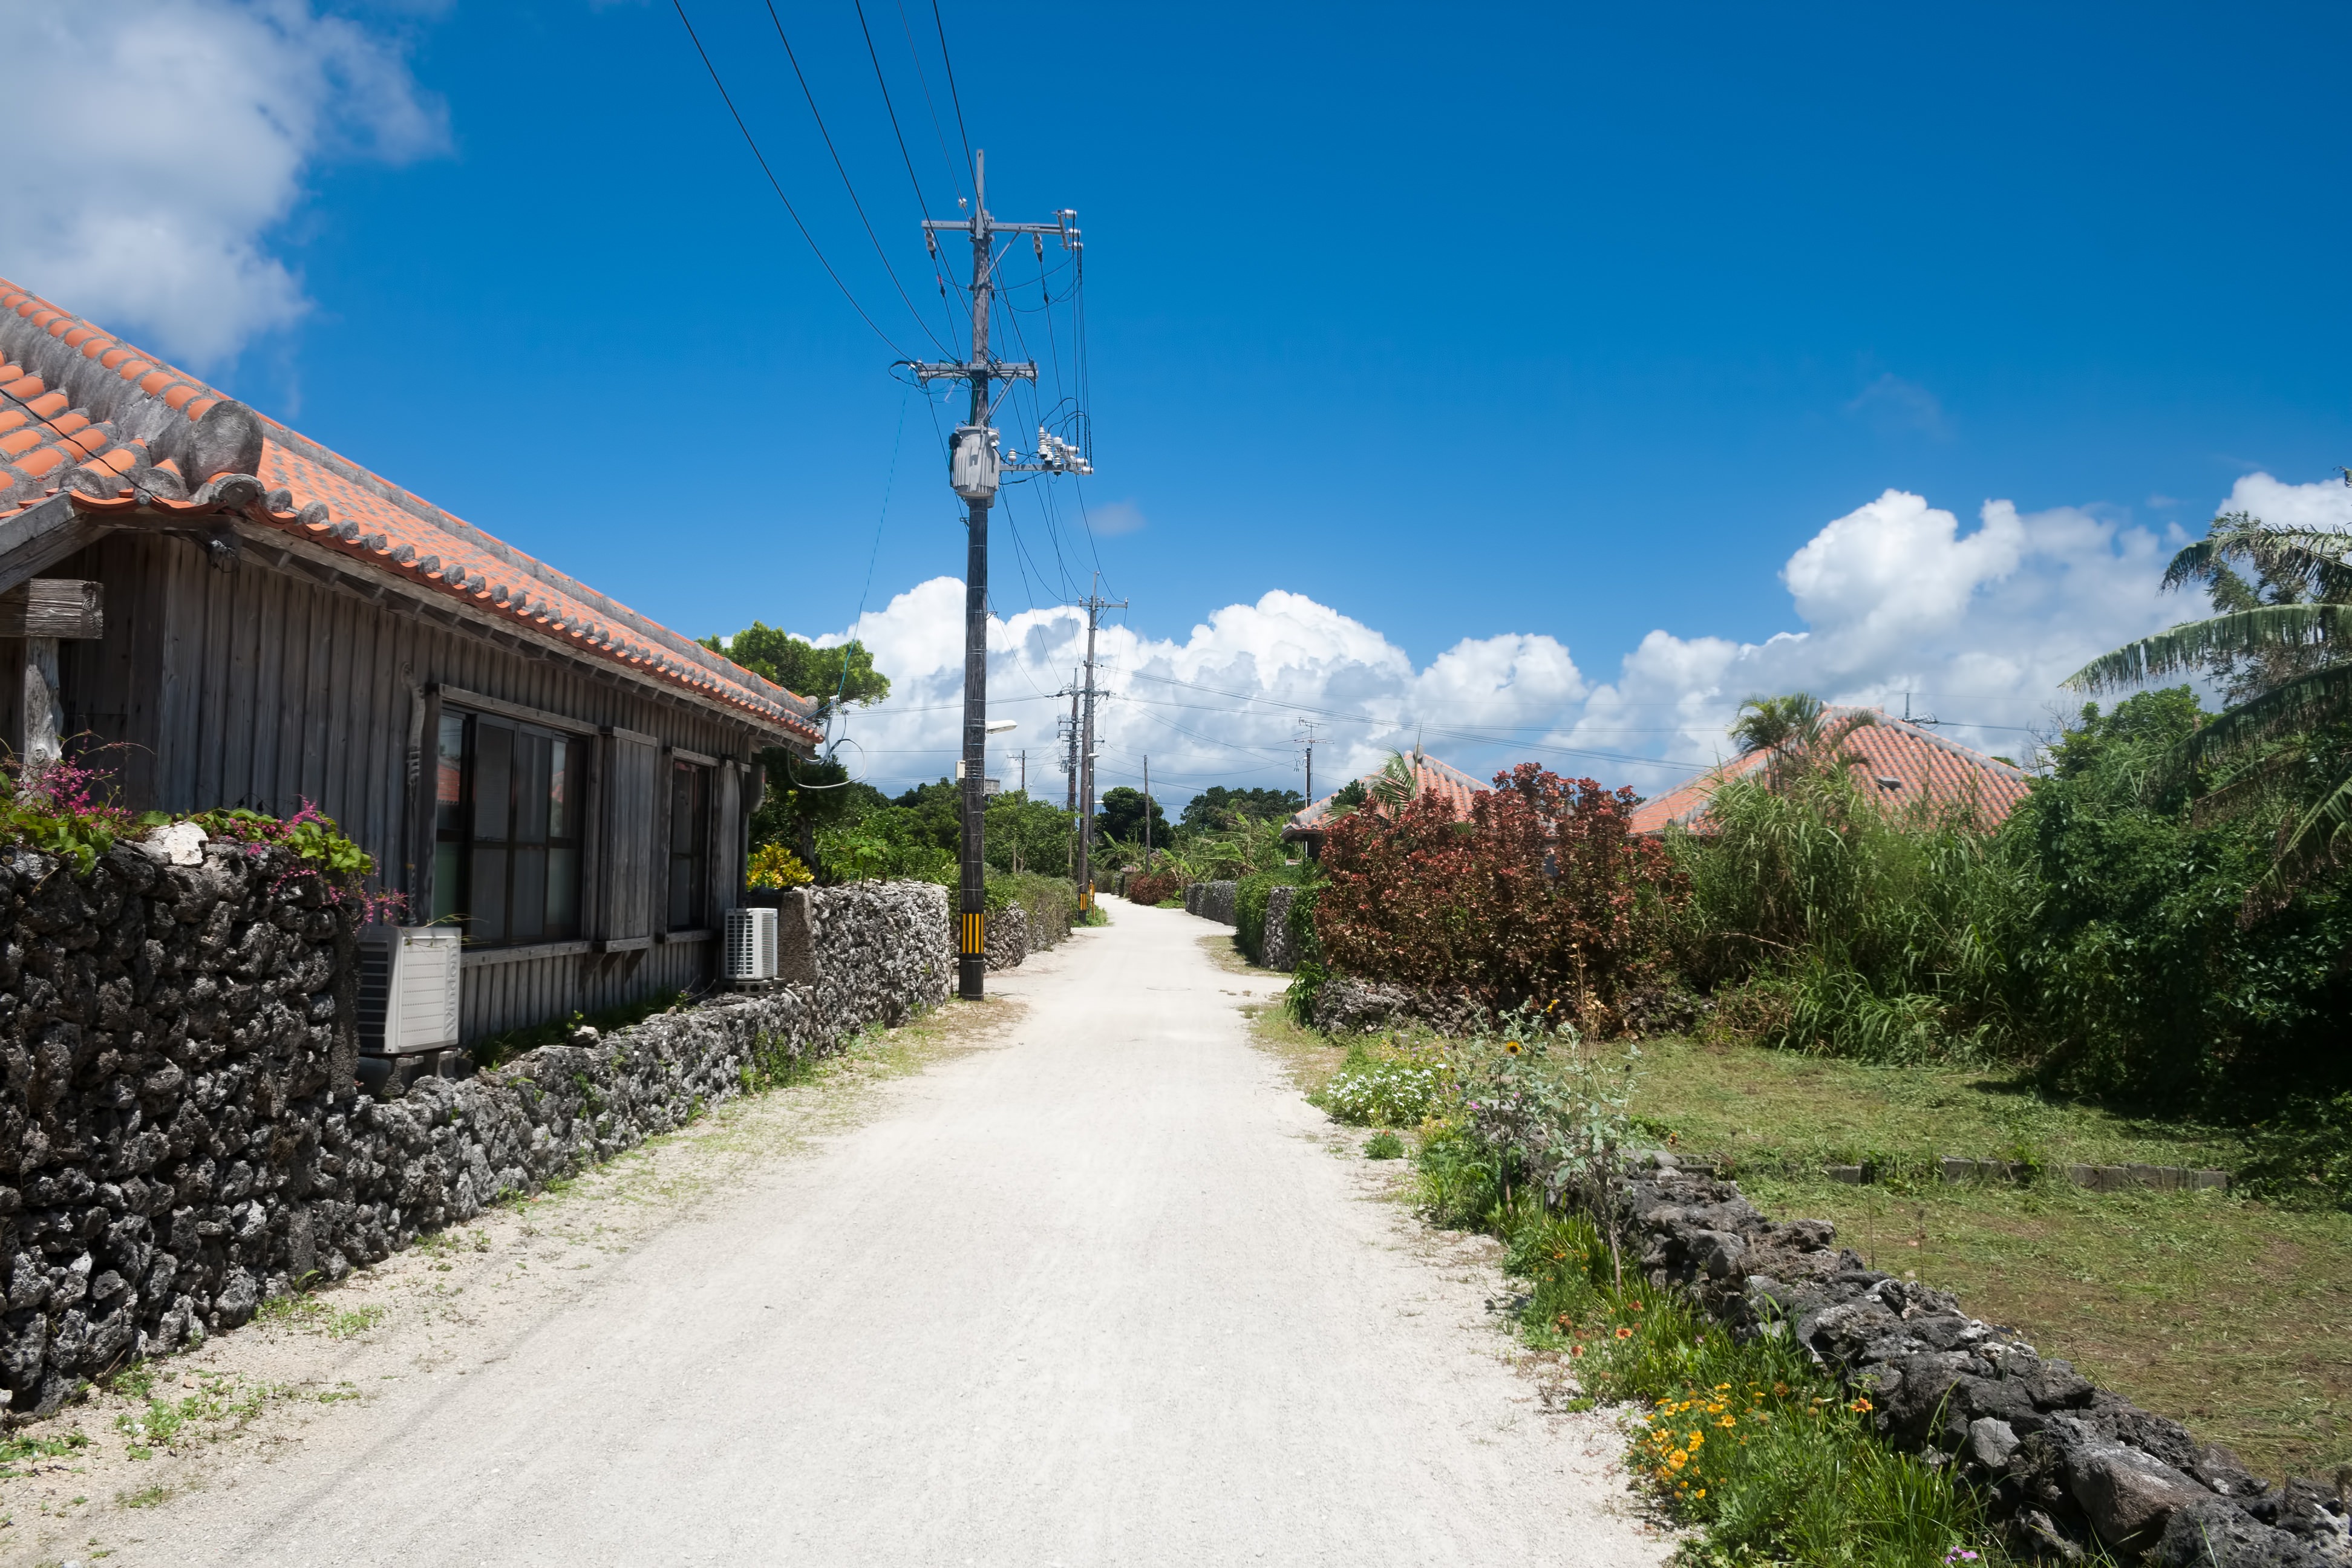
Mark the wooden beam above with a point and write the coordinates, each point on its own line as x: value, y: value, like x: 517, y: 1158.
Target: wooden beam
x: 53, y: 607
x: 40, y: 536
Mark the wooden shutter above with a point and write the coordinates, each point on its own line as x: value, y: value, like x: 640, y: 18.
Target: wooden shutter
x: 627, y: 854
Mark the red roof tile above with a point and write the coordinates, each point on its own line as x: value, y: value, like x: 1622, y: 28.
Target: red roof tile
x: 1904, y: 762
x: 1429, y: 776
x: 86, y: 415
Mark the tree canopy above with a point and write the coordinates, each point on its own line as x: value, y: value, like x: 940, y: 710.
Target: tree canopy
x: 1218, y: 807
x: 1122, y: 816
x: 839, y: 676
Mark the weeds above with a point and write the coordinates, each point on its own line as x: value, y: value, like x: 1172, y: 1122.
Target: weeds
x: 1385, y: 1146
x: 219, y: 1406
x: 16, y: 1451
x: 147, y: 1498
x: 303, y: 1311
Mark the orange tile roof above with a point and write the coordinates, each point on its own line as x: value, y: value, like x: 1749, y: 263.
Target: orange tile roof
x: 1429, y: 776
x: 1905, y: 761
x: 85, y: 415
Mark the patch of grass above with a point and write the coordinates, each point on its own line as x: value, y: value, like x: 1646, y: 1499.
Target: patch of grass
x: 1749, y: 1441
x: 220, y: 1406
x: 1384, y: 1145
x: 304, y: 1310
x: 15, y: 1452
x: 1169, y: 904
x: 146, y: 1498
x: 2233, y: 1315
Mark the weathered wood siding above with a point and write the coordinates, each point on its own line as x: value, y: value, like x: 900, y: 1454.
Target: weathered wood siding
x: 264, y: 686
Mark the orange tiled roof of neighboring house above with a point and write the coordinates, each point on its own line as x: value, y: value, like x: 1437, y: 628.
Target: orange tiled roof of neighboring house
x: 1429, y: 776
x: 1905, y: 762
x: 88, y: 420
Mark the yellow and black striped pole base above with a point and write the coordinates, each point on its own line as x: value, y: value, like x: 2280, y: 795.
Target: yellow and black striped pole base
x: 971, y: 953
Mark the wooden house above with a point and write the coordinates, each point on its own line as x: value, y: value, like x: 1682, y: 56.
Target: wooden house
x: 221, y: 613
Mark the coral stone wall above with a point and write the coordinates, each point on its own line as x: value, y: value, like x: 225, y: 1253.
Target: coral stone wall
x: 181, y: 1135
x: 2065, y: 1464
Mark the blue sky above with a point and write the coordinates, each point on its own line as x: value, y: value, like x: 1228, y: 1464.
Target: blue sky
x: 1462, y: 322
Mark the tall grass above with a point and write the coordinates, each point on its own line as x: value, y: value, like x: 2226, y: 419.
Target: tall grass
x: 1828, y: 924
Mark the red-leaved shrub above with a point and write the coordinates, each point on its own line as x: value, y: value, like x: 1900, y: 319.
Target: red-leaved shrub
x: 1543, y: 896
x: 1154, y: 887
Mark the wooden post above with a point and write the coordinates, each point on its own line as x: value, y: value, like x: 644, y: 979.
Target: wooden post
x: 41, y: 611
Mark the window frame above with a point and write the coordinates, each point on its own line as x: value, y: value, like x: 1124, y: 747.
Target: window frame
x: 454, y: 847
x: 696, y: 855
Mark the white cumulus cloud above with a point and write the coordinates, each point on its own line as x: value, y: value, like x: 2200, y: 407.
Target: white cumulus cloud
x: 172, y: 137
x: 1978, y: 625
x: 1220, y: 705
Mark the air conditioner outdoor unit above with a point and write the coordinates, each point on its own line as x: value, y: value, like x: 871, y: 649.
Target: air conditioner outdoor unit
x: 751, y: 944
x: 409, y: 988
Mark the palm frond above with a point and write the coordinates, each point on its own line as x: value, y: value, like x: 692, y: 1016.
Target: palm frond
x: 2317, y: 696
x: 2311, y: 847
x: 2267, y: 780
x: 2272, y: 626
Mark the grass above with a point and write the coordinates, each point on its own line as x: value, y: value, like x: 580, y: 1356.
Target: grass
x: 1749, y: 1442
x: 300, y: 1309
x: 218, y: 1406
x: 1385, y: 1146
x: 2233, y: 1316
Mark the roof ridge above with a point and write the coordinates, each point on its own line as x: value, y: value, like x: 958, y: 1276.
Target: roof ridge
x: 85, y: 399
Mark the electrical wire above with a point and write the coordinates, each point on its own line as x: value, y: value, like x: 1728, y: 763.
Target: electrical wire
x: 752, y: 142
x: 923, y: 206
x: 957, y: 99
x: 847, y: 185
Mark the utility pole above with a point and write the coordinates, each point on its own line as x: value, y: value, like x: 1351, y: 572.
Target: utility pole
x: 1024, y: 772
x: 1306, y: 738
x: 1147, y: 810
x: 1070, y: 765
x: 973, y: 465
x: 1095, y: 604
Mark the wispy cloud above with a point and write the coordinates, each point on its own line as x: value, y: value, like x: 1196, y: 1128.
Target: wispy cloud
x: 154, y: 212
x: 1119, y: 517
x: 1894, y: 405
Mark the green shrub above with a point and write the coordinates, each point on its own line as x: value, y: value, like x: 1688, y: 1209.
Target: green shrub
x: 1052, y: 903
x: 1250, y: 897
x: 1385, y: 1146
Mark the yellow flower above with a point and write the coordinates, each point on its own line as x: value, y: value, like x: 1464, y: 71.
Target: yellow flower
x: 1696, y: 1437
x: 1727, y: 1421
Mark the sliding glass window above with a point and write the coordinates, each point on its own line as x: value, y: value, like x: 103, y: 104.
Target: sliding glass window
x: 506, y: 864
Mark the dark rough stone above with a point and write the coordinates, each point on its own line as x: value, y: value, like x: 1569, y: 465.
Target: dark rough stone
x: 169, y: 1158
x: 2064, y: 1466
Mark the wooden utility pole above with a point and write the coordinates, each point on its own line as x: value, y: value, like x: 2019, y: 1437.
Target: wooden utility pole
x: 1147, y: 810
x: 973, y: 465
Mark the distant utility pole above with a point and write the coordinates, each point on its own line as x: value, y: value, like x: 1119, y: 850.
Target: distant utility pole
x: 1305, y: 737
x: 1147, y: 810
x: 973, y: 464
x: 1095, y: 604
x: 1070, y: 746
x: 1024, y: 772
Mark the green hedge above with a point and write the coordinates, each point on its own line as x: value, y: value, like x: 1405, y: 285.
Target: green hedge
x: 1052, y: 903
x: 1249, y: 906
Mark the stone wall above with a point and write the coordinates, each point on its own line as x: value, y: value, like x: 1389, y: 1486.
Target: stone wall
x: 1008, y: 937
x: 1281, y: 949
x: 2062, y: 1462
x: 1212, y: 900
x: 181, y: 1135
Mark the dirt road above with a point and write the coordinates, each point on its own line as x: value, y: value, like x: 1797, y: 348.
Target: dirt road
x: 1105, y: 1293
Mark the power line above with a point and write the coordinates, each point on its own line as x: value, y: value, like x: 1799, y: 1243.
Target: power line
x: 752, y: 142
x: 953, y: 96
x: 845, y: 183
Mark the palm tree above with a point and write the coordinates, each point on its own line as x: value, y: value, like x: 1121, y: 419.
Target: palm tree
x: 2282, y: 650
x: 1798, y: 733
x: 1395, y: 783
